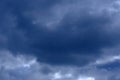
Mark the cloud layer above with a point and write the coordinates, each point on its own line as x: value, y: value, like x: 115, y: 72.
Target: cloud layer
x: 17, y: 67
x: 59, y: 40
x: 28, y: 68
x: 59, y: 29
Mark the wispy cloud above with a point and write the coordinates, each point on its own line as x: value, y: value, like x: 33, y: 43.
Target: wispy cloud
x: 108, y: 59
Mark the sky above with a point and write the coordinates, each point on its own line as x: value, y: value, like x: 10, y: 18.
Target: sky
x: 59, y: 39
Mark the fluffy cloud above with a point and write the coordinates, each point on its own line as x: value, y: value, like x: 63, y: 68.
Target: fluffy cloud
x: 17, y: 67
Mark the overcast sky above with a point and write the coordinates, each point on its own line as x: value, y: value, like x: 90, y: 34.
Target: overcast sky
x: 59, y: 39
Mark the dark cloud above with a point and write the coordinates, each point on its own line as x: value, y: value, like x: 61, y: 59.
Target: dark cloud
x: 57, y: 31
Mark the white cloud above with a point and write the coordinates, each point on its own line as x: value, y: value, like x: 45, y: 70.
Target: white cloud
x: 86, y: 78
x: 8, y: 61
x: 109, y: 55
x: 108, y: 59
x: 57, y: 75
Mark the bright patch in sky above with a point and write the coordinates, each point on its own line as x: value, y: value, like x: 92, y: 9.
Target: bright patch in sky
x: 86, y: 78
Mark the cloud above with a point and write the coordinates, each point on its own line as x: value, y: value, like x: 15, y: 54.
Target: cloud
x: 59, y: 40
x: 17, y: 67
x: 108, y: 60
x: 26, y: 67
x: 60, y: 32
x: 76, y: 28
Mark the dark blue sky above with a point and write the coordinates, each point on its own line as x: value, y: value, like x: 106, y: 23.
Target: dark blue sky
x: 80, y: 33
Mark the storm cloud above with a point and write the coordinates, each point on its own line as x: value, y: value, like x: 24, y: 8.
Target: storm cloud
x: 62, y: 33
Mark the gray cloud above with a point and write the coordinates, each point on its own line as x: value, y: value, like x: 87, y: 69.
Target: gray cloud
x: 59, y: 40
x: 17, y: 67
x: 60, y: 32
